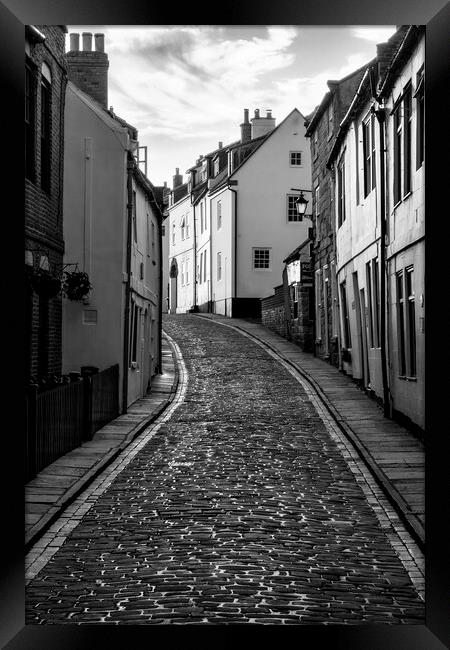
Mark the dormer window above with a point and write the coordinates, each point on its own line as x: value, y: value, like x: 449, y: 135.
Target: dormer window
x: 216, y: 167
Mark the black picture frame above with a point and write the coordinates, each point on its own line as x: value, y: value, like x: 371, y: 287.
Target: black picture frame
x: 435, y: 14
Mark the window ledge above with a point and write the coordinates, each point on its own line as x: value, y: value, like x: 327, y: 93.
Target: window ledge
x: 405, y: 378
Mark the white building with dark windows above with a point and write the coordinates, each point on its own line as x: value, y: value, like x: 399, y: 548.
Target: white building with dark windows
x: 243, y: 198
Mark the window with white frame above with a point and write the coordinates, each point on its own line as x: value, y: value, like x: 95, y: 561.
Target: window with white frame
x: 182, y: 273
x: 46, y: 125
x: 204, y: 266
x: 216, y: 167
x: 199, y: 269
x: 219, y: 266
x: 187, y: 225
x: 183, y: 228
x: 294, y: 298
x: 402, y: 117
x: 317, y: 200
x: 187, y: 271
x: 292, y: 214
x: 201, y: 217
x: 295, y: 158
x: 173, y: 233
x: 219, y: 215
x: 376, y: 303
x: 261, y: 258
x: 369, y: 154
x: 406, y: 327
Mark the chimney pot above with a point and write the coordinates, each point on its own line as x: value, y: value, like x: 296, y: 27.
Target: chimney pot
x: 269, y: 114
x: 87, y: 41
x: 74, y: 42
x: 246, y: 115
x: 220, y: 144
x: 256, y: 112
x: 99, y: 42
x: 177, y: 170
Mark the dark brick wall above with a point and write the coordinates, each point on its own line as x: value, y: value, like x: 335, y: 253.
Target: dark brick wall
x: 341, y: 95
x: 273, y: 314
x: 43, y: 210
x: 89, y: 71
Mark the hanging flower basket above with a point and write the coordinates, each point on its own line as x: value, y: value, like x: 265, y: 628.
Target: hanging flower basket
x: 44, y: 283
x: 76, y: 285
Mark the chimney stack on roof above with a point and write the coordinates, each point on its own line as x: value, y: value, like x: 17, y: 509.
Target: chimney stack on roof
x: 246, y: 128
x: 262, y: 125
x: 220, y: 144
x: 88, y: 68
x: 74, y: 42
x: 178, y: 178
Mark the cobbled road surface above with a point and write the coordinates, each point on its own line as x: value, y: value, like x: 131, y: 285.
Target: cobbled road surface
x: 240, y: 509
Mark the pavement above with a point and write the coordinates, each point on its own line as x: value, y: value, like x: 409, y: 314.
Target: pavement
x: 243, y: 503
x: 58, y: 484
x: 394, y: 456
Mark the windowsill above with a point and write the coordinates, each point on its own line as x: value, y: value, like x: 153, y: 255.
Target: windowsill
x: 263, y: 270
x: 405, y: 378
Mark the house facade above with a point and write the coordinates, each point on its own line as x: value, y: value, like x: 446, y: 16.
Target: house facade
x: 322, y: 128
x: 244, y: 215
x: 45, y: 79
x: 402, y: 92
x: 113, y: 233
x: 377, y: 164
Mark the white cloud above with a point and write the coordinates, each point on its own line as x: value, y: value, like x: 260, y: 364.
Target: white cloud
x: 373, y: 34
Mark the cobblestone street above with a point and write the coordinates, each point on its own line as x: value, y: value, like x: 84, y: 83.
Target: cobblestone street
x: 241, y: 508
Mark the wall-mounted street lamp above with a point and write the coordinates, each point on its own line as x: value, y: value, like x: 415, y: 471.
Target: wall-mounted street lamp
x: 301, y: 202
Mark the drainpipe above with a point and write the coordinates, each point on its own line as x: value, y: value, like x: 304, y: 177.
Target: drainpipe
x: 126, y: 334
x: 380, y: 114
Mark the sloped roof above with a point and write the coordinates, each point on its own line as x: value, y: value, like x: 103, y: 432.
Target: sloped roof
x: 296, y: 252
x: 264, y: 139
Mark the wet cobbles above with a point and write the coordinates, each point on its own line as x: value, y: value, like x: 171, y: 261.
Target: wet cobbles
x: 240, y: 509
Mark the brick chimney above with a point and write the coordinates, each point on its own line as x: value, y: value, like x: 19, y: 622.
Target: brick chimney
x: 246, y: 128
x: 262, y: 125
x: 88, y: 68
x: 178, y: 178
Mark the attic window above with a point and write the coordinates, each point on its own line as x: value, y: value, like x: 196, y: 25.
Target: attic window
x: 295, y: 158
x: 216, y: 167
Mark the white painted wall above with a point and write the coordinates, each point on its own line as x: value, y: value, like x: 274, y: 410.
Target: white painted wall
x: 183, y: 251
x: 264, y: 181
x: 406, y: 228
x: 222, y: 241
x: 95, y: 168
x: 357, y: 242
x: 203, y: 246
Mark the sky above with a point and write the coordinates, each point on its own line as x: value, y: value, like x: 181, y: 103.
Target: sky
x: 185, y: 87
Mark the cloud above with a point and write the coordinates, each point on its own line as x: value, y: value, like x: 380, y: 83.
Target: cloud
x: 373, y: 34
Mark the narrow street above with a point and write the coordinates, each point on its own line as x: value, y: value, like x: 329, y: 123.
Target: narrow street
x: 240, y: 509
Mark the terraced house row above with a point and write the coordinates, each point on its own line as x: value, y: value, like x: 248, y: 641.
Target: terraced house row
x: 232, y: 222
x: 93, y: 236
x: 367, y: 249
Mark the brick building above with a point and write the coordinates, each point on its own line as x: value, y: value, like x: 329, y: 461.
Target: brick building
x: 45, y: 78
x: 322, y: 129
